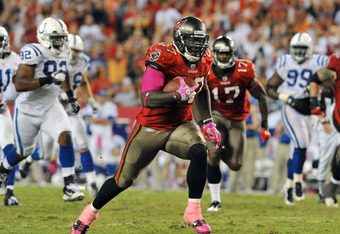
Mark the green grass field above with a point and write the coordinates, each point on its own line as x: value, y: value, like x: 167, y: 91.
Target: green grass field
x: 42, y: 210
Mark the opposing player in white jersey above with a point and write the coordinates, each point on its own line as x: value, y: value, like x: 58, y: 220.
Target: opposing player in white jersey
x: 329, y: 139
x: 77, y: 69
x: 288, y: 84
x: 9, y: 62
x: 42, y: 71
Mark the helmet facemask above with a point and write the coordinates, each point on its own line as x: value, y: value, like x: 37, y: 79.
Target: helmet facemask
x: 299, y: 53
x: 195, y: 46
x: 58, y: 43
x: 75, y: 56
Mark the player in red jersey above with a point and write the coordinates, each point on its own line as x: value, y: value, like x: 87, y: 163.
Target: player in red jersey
x: 329, y: 78
x: 228, y: 81
x: 165, y: 121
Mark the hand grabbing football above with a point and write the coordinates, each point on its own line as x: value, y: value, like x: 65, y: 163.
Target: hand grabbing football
x: 175, y: 84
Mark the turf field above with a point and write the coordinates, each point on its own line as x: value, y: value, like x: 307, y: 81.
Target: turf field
x: 42, y: 210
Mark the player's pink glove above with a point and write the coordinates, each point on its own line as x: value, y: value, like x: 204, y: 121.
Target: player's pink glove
x: 186, y: 91
x: 210, y: 131
x: 265, y: 134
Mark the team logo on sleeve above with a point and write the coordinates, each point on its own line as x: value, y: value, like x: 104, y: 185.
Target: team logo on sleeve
x: 154, y: 56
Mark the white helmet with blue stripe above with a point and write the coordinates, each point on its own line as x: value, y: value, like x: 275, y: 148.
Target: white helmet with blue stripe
x: 301, y: 47
x: 52, y: 34
x: 76, y: 44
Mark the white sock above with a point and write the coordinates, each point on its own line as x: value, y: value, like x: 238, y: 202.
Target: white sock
x: 67, y: 171
x: 334, y: 181
x: 93, y: 209
x: 297, y: 178
x: 194, y: 200
x: 289, y: 183
x: 90, y: 177
x: 215, y: 192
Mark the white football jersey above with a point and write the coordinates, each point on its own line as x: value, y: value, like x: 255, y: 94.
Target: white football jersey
x: 38, y: 101
x: 8, y: 68
x: 296, y: 76
x: 77, y: 71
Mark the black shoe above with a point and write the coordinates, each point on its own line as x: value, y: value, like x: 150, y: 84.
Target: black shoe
x: 299, y: 195
x: 25, y: 169
x: 215, y: 206
x: 79, y: 227
x: 10, y: 199
x: 288, y: 195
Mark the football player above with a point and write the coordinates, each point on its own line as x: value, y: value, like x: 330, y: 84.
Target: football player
x: 289, y: 83
x: 228, y: 82
x: 165, y: 121
x: 77, y: 69
x: 42, y: 70
x: 8, y: 67
x: 328, y: 77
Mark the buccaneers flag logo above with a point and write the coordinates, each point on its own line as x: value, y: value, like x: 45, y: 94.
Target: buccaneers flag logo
x: 179, y: 24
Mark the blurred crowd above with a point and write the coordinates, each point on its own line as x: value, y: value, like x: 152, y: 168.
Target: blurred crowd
x: 117, y: 33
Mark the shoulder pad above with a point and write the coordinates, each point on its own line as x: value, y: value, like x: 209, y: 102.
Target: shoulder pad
x: 163, y: 54
x: 281, y: 61
x: 30, y: 54
x: 322, y: 60
x: 86, y: 58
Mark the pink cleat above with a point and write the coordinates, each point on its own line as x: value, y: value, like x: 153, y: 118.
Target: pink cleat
x: 193, y: 217
x: 84, y: 221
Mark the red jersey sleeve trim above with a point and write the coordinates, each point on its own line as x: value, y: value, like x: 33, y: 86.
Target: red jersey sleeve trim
x: 252, y: 88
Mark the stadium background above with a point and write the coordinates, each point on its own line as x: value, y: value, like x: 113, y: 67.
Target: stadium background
x: 122, y: 30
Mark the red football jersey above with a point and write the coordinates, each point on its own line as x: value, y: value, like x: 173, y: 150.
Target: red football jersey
x: 167, y: 59
x: 334, y: 64
x: 228, y: 94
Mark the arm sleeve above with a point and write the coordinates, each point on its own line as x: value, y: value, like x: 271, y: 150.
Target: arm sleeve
x: 152, y: 80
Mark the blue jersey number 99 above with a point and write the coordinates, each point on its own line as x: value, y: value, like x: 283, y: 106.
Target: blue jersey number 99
x: 301, y: 79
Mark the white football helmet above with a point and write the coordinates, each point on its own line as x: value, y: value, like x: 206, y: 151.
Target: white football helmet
x: 52, y: 34
x: 76, y: 44
x: 301, y: 47
x: 4, y: 41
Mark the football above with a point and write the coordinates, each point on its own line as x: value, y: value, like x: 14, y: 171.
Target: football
x: 174, y: 84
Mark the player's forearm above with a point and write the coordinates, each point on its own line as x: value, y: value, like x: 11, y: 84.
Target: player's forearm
x: 158, y: 98
x: 66, y: 85
x: 271, y: 92
x: 25, y: 83
x: 202, y: 106
x: 314, y: 89
x: 260, y: 94
x: 263, y: 105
